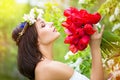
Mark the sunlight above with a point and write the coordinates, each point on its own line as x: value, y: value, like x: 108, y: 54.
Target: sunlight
x: 21, y: 1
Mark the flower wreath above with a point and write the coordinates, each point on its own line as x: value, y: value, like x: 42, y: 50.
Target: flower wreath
x: 30, y: 19
x: 34, y: 15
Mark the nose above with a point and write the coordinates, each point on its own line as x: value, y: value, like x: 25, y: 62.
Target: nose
x: 49, y: 24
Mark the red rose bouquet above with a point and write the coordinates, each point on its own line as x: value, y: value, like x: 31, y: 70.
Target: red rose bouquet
x: 78, y: 27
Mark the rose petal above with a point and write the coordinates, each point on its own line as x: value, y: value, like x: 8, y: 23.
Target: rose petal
x: 81, y: 47
x: 85, y: 40
x: 65, y: 24
x: 73, y: 48
x: 89, y: 29
x: 68, y: 32
x: 97, y: 18
x: 68, y: 39
x: 80, y: 32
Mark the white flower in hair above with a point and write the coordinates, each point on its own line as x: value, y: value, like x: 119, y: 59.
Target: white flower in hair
x: 32, y: 12
x: 40, y: 15
x: 33, y: 15
x: 29, y: 18
x: 40, y: 11
x: 32, y: 19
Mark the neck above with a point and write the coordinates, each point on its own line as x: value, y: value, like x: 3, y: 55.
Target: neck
x: 47, y: 51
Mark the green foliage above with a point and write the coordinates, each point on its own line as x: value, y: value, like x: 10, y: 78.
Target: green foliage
x: 87, y: 4
x: 111, y: 41
x: 107, y: 8
x: 85, y: 65
x: 110, y: 44
x: 111, y: 10
x: 10, y: 16
x: 54, y: 14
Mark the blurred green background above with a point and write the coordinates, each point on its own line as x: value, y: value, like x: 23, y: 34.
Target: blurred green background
x: 11, y: 13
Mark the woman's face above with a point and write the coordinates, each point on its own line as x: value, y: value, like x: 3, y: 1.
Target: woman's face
x: 46, y: 32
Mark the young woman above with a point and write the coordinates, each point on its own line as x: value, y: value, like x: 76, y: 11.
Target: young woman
x: 35, y: 58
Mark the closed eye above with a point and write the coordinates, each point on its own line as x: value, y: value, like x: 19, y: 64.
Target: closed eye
x: 42, y: 24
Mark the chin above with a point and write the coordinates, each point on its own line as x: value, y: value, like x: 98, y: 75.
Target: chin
x: 58, y: 35
x: 53, y: 39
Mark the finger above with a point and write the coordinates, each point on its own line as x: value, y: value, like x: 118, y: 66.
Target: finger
x: 102, y: 29
x: 95, y: 27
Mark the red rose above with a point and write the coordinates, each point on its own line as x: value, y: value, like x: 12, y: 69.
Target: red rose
x: 70, y: 11
x: 73, y: 48
x: 77, y: 21
x: 85, y: 40
x: 72, y: 28
x: 69, y: 39
x: 75, y: 40
x: 83, y: 13
x: 69, y: 20
x: 68, y: 32
x: 89, y: 29
x: 80, y: 32
x: 78, y: 26
x: 90, y: 19
x: 81, y: 47
x: 96, y: 18
x: 67, y: 12
x: 65, y: 24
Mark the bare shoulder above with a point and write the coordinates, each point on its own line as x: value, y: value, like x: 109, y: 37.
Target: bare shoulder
x: 59, y: 65
x: 53, y: 70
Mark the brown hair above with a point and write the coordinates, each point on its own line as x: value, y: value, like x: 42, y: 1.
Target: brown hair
x: 28, y: 51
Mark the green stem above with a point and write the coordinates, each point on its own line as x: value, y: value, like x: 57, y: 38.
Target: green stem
x: 109, y: 43
x: 104, y: 52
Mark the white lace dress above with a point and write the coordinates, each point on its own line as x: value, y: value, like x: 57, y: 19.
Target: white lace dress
x: 78, y: 76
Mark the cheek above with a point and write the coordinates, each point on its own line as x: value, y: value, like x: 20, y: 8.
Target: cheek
x: 44, y: 36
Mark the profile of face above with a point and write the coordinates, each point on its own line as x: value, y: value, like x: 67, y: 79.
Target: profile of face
x: 46, y: 32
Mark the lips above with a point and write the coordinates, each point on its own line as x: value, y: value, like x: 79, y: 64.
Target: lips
x: 54, y: 30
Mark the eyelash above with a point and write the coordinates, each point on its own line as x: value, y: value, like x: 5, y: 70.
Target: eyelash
x: 43, y: 25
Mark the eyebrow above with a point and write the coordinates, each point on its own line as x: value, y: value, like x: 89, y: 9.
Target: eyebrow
x: 42, y: 22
